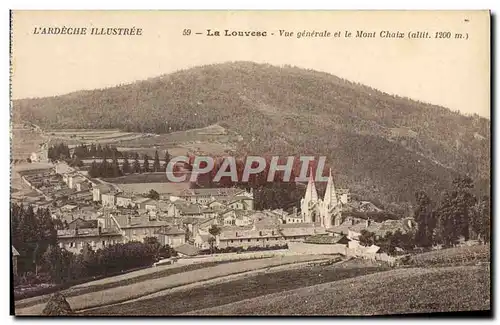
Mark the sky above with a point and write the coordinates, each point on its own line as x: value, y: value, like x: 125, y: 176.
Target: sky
x: 449, y: 72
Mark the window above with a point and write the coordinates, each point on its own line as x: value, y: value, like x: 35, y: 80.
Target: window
x: 249, y: 240
x: 103, y: 243
x: 231, y: 241
x: 260, y: 233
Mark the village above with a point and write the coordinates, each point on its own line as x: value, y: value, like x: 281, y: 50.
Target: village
x: 195, y: 221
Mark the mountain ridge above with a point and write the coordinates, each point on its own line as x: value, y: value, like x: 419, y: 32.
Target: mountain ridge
x: 291, y: 111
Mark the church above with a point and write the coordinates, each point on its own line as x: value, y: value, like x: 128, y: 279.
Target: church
x: 327, y: 212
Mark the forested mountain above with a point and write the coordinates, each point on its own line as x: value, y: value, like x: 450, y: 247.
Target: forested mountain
x: 383, y: 147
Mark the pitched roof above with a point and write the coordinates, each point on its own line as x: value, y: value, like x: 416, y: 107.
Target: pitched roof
x: 15, y: 252
x: 173, y: 230
x: 187, y: 249
x: 325, y: 239
x: 141, y: 221
x: 187, y: 208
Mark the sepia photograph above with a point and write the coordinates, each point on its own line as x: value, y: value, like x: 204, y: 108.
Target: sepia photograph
x: 250, y: 163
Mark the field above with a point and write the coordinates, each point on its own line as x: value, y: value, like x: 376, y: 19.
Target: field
x: 212, y: 139
x: 25, y: 141
x: 411, y: 290
x: 452, y: 256
x: 78, y: 136
x: 243, y: 288
x: 161, y: 188
x: 136, y: 290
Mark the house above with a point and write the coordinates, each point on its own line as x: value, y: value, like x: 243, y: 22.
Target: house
x: 98, y: 190
x: 187, y: 209
x: 187, y: 250
x: 217, y: 205
x: 82, y: 186
x: 125, y: 200
x: 248, y: 236
x: 205, y: 196
x: 142, y: 202
x: 292, y: 219
x: 327, y: 239
x: 80, y: 223
x: 137, y: 227
x: 236, y: 218
x: 15, y: 256
x: 109, y: 199
x: 173, y: 236
x: 74, y: 240
x: 201, y: 240
x: 241, y: 202
x: 353, y: 228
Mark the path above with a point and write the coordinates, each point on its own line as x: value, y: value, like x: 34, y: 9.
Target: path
x: 149, y: 287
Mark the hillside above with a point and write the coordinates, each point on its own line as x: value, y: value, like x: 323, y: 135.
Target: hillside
x: 419, y: 290
x: 381, y: 146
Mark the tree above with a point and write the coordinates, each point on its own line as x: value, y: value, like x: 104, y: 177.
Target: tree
x: 215, y: 231
x: 425, y: 218
x: 156, y: 162
x: 166, y: 159
x: 153, y: 195
x: 366, y: 238
x: 126, y: 165
x: 481, y: 221
x: 211, y: 242
x: 115, y: 168
x: 146, y: 164
x: 153, y: 247
x: 57, y: 306
x: 94, y: 170
x: 455, y: 212
x: 137, y: 165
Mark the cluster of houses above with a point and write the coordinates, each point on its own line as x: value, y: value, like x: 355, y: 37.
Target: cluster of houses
x: 100, y: 214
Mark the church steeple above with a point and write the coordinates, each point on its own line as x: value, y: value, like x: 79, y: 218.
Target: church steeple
x: 311, y: 194
x: 330, y: 193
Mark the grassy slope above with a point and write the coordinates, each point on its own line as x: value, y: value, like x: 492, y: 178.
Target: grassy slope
x: 452, y: 256
x: 414, y: 290
x: 136, y: 290
x: 293, y: 111
x: 236, y: 290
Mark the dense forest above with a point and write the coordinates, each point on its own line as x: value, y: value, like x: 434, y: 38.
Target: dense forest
x: 381, y: 146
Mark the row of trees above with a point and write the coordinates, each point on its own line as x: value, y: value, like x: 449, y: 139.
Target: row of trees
x: 459, y: 214
x: 63, y: 266
x: 32, y: 232
x: 113, y: 168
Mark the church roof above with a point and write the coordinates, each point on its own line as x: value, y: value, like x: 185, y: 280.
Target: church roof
x: 311, y: 193
x: 330, y: 193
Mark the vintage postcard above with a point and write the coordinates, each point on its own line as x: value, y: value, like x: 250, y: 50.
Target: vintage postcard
x: 250, y: 163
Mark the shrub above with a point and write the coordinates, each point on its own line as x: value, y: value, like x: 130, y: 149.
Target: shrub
x: 57, y: 306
